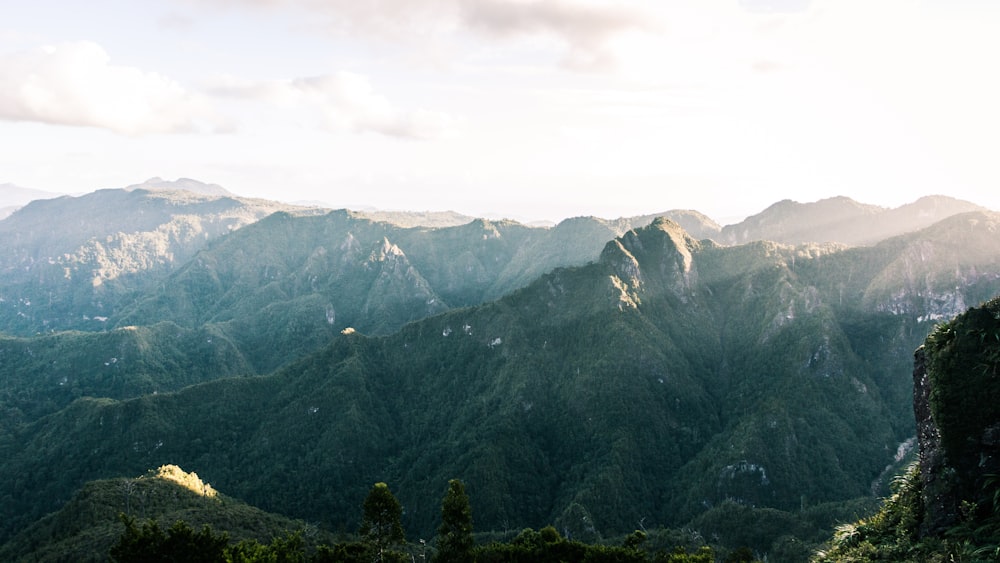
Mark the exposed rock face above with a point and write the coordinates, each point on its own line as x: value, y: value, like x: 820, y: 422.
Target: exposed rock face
x: 956, y: 387
x: 663, y: 245
x: 940, y: 506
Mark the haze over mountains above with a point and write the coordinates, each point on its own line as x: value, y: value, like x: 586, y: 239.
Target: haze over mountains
x: 12, y: 197
x: 649, y: 369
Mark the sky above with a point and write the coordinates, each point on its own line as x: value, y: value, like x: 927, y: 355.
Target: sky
x: 529, y: 109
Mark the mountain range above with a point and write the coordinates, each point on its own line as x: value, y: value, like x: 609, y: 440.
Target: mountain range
x: 12, y: 197
x: 634, y: 372
x: 841, y: 219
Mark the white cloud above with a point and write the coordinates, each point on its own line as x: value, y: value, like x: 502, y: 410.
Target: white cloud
x: 346, y: 101
x: 585, y: 27
x: 582, y: 27
x: 775, y: 6
x: 76, y: 84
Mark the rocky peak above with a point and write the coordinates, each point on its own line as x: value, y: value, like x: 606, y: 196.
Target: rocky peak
x: 661, y: 253
x: 486, y: 228
x: 386, y: 251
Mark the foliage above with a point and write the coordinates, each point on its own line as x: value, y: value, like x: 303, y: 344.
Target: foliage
x: 546, y: 545
x: 44, y: 374
x: 179, y: 543
x: 380, y: 525
x: 964, y: 365
x: 454, y: 539
x: 894, y: 533
x: 669, y: 380
x: 86, y: 527
x: 947, y: 508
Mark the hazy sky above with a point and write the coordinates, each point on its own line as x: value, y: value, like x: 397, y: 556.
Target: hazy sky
x: 525, y: 108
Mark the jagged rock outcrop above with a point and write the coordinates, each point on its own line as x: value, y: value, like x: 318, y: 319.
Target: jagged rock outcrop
x: 665, y: 247
x: 956, y: 403
x: 940, y: 508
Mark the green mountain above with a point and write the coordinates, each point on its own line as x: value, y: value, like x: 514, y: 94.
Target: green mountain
x: 100, y: 260
x: 76, y: 263
x: 43, y: 374
x: 67, y: 262
x: 253, y: 300
x: 284, y: 286
x: 947, y: 506
x: 666, y: 378
x: 85, y: 528
x: 659, y: 379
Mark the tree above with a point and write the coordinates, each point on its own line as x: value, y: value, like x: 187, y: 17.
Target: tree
x: 180, y: 543
x: 635, y: 540
x: 455, y: 533
x: 380, y: 525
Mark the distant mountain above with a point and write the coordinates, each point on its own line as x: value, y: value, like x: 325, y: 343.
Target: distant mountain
x: 252, y: 301
x: 841, y: 220
x: 697, y: 224
x: 579, y: 240
x: 321, y: 274
x: 73, y: 263
x: 417, y: 218
x: 285, y: 286
x: 66, y: 262
x: 13, y: 197
x: 629, y: 370
x: 667, y: 378
x: 186, y: 184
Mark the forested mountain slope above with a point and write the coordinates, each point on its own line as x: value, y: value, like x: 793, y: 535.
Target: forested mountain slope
x: 43, y: 374
x: 666, y: 377
x: 259, y: 297
x: 946, y: 507
x: 284, y: 286
x: 88, y: 525
x: 65, y: 263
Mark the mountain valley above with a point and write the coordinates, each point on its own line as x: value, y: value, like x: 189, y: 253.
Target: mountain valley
x: 652, y: 371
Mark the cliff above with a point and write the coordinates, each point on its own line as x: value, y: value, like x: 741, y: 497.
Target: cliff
x: 947, y: 506
x: 956, y: 402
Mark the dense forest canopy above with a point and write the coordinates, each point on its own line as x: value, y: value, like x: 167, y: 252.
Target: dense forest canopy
x: 597, y: 376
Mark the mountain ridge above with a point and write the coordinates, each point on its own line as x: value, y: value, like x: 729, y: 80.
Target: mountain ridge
x: 653, y: 377
x: 683, y: 350
x: 841, y: 219
x: 181, y: 184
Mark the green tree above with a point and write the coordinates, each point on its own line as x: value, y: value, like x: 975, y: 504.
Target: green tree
x: 380, y: 524
x: 455, y: 533
x: 180, y: 543
x: 635, y: 540
x: 289, y: 548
